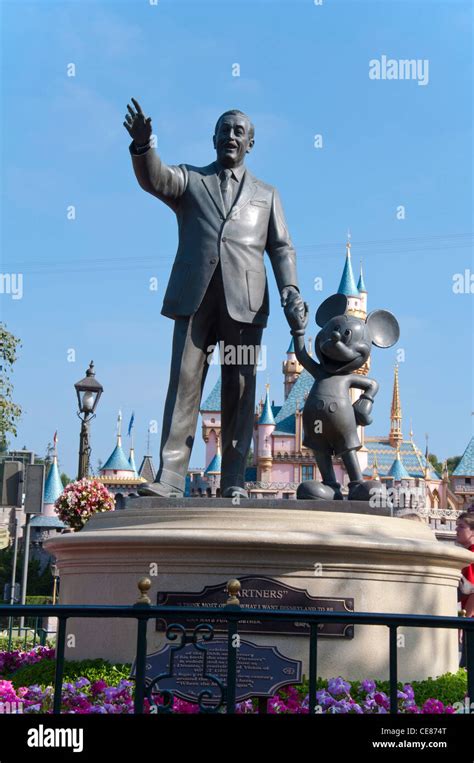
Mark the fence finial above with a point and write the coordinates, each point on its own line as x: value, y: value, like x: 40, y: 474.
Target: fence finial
x: 233, y: 589
x: 144, y: 585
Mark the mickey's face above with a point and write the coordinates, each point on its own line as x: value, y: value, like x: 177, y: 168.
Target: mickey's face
x: 343, y: 344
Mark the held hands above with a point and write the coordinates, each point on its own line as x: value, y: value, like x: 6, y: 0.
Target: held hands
x: 362, y: 409
x: 137, y: 125
x: 296, y: 312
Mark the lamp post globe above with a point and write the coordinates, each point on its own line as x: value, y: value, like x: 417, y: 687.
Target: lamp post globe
x: 88, y: 392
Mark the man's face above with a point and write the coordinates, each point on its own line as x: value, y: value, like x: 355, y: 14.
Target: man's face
x: 232, y: 140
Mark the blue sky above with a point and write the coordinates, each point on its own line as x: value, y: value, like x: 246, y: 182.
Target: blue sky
x: 304, y: 70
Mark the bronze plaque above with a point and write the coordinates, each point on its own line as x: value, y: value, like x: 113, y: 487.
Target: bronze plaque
x: 260, y: 593
x: 260, y: 671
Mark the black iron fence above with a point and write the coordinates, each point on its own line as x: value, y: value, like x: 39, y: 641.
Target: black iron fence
x: 142, y: 612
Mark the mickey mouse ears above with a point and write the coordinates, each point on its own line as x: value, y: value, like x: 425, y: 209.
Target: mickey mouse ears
x: 383, y: 327
x: 332, y: 306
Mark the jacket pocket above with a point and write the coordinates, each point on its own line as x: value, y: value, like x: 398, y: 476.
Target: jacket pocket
x: 256, y: 280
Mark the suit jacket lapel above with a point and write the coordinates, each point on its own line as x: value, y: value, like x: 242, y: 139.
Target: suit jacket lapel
x: 211, y: 183
x: 247, y: 191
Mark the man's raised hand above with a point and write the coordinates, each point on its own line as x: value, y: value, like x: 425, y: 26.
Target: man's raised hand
x: 137, y: 124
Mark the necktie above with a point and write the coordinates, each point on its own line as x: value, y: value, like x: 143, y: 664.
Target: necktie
x: 226, y: 189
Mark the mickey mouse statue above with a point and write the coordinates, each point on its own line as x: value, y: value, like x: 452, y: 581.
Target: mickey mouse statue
x: 329, y: 418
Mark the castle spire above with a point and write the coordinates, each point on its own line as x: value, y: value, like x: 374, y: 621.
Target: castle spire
x: 214, y: 467
x: 53, y: 486
x: 347, y: 285
x: 361, y: 284
x: 119, y: 429
x: 118, y: 461
x: 395, y: 437
x: 267, y: 413
x: 397, y: 469
x: 375, y: 473
x: 131, y: 461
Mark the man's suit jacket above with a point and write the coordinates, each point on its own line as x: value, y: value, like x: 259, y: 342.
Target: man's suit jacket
x: 255, y: 224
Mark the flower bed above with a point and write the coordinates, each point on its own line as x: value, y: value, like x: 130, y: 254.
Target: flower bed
x: 29, y: 678
x: 13, y: 661
x: 82, y: 696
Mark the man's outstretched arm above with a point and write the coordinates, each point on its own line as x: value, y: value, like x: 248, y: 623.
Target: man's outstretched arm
x: 153, y: 175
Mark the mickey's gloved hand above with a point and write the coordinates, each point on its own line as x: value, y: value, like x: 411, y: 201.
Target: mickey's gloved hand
x: 362, y: 409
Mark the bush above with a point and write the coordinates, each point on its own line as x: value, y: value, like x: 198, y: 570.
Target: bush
x: 39, y: 583
x: 40, y: 600
x: 42, y: 673
x: 18, y: 642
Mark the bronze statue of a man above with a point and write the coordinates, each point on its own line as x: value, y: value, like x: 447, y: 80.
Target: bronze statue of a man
x: 217, y: 291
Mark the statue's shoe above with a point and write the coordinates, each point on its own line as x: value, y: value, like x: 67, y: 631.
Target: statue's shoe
x: 233, y: 490
x: 161, y: 489
x: 364, y: 490
x: 316, y: 490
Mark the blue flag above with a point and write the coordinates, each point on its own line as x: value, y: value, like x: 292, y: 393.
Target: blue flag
x: 130, y: 426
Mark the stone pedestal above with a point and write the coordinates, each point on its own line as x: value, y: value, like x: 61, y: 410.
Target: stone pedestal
x: 331, y: 549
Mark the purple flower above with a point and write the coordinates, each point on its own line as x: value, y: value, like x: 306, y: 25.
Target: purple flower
x: 82, y: 682
x: 382, y: 699
x: 433, y: 706
x: 244, y: 707
x: 337, y: 686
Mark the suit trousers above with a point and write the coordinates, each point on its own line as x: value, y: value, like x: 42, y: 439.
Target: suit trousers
x: 194, y: 339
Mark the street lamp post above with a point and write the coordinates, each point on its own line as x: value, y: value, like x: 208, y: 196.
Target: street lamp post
x: 88, y: 393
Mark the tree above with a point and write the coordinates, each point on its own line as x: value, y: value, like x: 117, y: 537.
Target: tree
x: 453, y: 461
x: 65, y: 479
x: 10, y: 412
x: 433, y: 459
x: 39, y: 583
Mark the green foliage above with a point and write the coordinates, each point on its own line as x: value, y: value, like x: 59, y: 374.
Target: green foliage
x: 10, y: 412
x: 18, y: 642
x: 438, y: 467
x: 452, y: 463
x: 39, y: 599
x: 39, y: 583
x: 65, y: 479
x: 448, y: 688
x: 42, y: 672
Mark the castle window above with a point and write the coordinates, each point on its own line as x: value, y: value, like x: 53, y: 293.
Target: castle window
x: 467, y: 481
x: 307, y: 473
